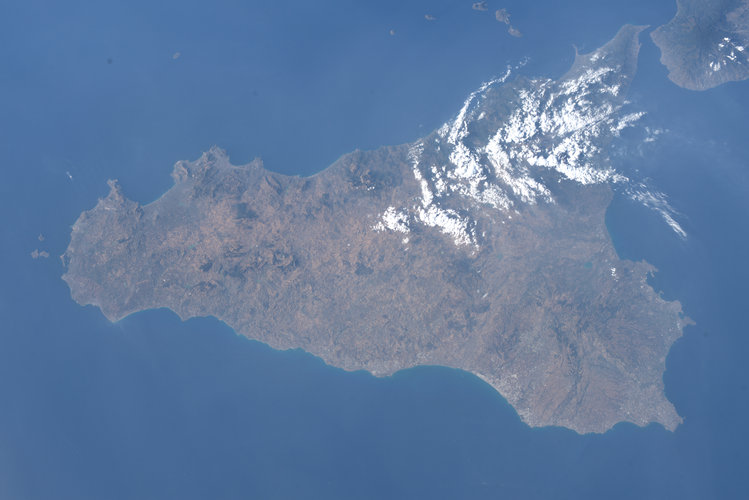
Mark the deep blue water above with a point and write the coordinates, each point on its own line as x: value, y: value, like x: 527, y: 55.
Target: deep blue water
x: 152, y: 407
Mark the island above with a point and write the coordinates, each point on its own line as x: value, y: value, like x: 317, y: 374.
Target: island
x: 503, y: 16
x: 481, y: 246
x: 706, y: 44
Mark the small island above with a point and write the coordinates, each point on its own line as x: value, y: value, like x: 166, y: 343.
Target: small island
x: 706, y: 44
x: 481, y: 247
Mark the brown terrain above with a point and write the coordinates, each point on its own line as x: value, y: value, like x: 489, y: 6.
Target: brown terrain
x: 706, y: 44
x: 541, y: 308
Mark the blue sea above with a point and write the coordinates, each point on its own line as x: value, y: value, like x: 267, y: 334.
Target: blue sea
x: 155, y: 408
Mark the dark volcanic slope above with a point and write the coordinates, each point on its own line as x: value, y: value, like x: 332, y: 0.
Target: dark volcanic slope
x: 481, y: 247
x: 706, y: 43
